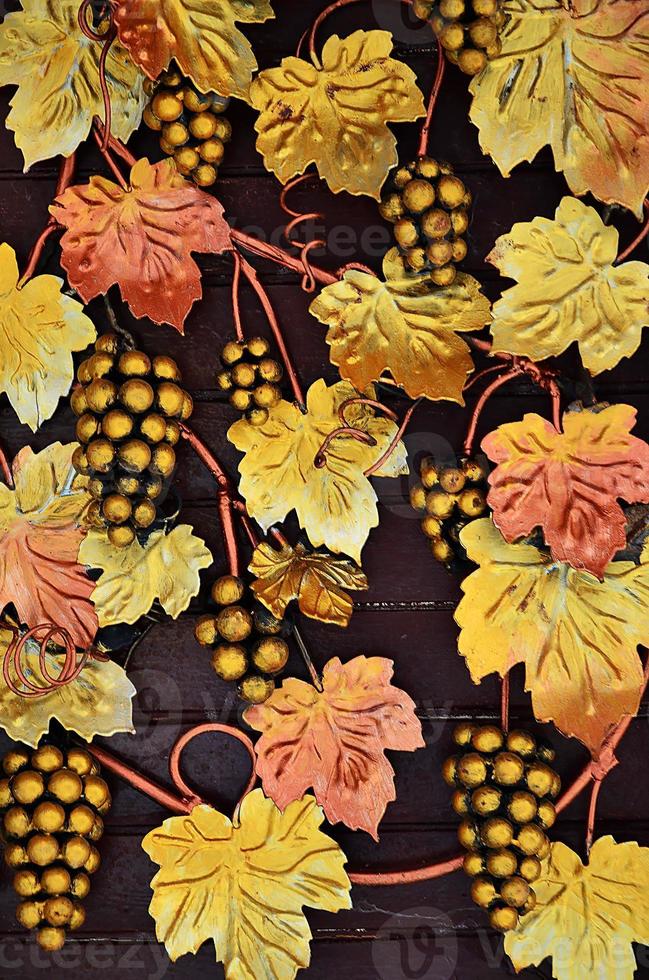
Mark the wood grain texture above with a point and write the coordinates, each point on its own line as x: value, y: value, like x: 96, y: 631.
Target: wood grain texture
x: 429, y: 931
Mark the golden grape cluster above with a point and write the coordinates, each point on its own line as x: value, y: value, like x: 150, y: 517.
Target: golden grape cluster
x: 448, y: 497
x: 51, y: 807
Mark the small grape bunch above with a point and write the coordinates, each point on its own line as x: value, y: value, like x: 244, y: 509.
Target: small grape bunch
x: 192, y: 127
x: 247, y: 641
x: 251, y: 378
x: 468, y: 30
x: 427, y: 204
x: 51, y: 806
x: 504, y: 790
x: 449, y: 497
x: 128, y: 407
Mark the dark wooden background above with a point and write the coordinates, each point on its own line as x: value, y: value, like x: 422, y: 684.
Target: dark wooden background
x: 428, y: 930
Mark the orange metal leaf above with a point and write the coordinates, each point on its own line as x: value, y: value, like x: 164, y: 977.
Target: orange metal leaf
x: 40, y: 533
x: 568, y: 482
x: 140, y: 238
x: 335, y: 740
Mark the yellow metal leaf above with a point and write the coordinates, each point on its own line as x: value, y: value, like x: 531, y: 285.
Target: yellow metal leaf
x: 318, y: 582
x: 56, y: 68
x: 577, y: 636
x: 166, y: 568
x: 571, y: 74
x: 39, y: 329
x: 245, y: 886
x: 98, y: 702
x: 201, y: 35
x: 335, y: 114
x: 586, y: 916
x: 405, y: 325
x: 569, y: 290
x: 335, y: 504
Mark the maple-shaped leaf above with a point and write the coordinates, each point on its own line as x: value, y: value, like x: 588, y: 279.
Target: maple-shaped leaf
x: 56, y: 68
x: 200, y: 35
x: 568, y: 482
x: 140, y: 238
x: 317, y: 580
x: 335, y: 114
x: 39, y: 329
x: 405, y: 325
x: 41, y: 529
x: 577, y: 636
x: 572, y: 75
x: 335, y: 741
x: 568, y: 289
x: 166, y: 568
x: 586, y: 917
x: 335, y: 503
x: 97, y: 702
x: 245, y: 886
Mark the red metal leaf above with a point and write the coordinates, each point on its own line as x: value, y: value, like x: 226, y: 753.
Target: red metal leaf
x: 335, y: 741
x: 40, y: 533
x: 568, y: 483
x: 141, y: 238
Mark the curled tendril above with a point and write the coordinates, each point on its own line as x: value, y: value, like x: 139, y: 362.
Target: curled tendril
x: 308, y: 279
x: 43, y: 634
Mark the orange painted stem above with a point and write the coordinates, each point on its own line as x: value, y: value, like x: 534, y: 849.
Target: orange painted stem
x: 432, y: 101
x: 504, y: 703
x: 275, y: 254
x: 644, y: 231
x: 480, y: 404
x: 6, y: 469
x: 251, y: 275
x: 225, y: 496
x: 65, y: 178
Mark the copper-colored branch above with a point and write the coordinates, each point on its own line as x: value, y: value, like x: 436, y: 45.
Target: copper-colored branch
x: 555, y: 394
x: 318, y: 21
x: 320, y: 458
x: 313, y: 673
x: 251, y: 275
x: 371, y: 403
x: 236, y: 307
x: 185, y: 799
x: 225, y: 496
x: 482, y: 374
x: 103, y: 84
x: 480, y: 404
x: 607, y: 761
x: 308, y: 279
x: 115, y: 144
x: 426, y: 873
x: 395, y: 441
x: 642, y: 234
x: 504, y: 703
x: 280, y: 256
x: 65, y: 178
x: 109, y: 160
x: 279, y: 537
x: 6, y: 469
x: 592, y: 810
x: 432, y: 101
x: 82, y: 17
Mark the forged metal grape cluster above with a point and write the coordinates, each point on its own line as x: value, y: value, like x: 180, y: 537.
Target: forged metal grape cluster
x: 128, y: 406
x: 243, y: 634
x: 427, y: 205
x: 468, y: 30
x: 51, y: 806
x: 504, y: 789
x: 250, y: 377
x: 191, y: 126
x: 449, y: 497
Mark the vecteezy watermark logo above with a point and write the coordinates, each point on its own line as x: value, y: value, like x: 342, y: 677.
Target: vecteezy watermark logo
x: 147, y: 961
x: 416, y: 944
